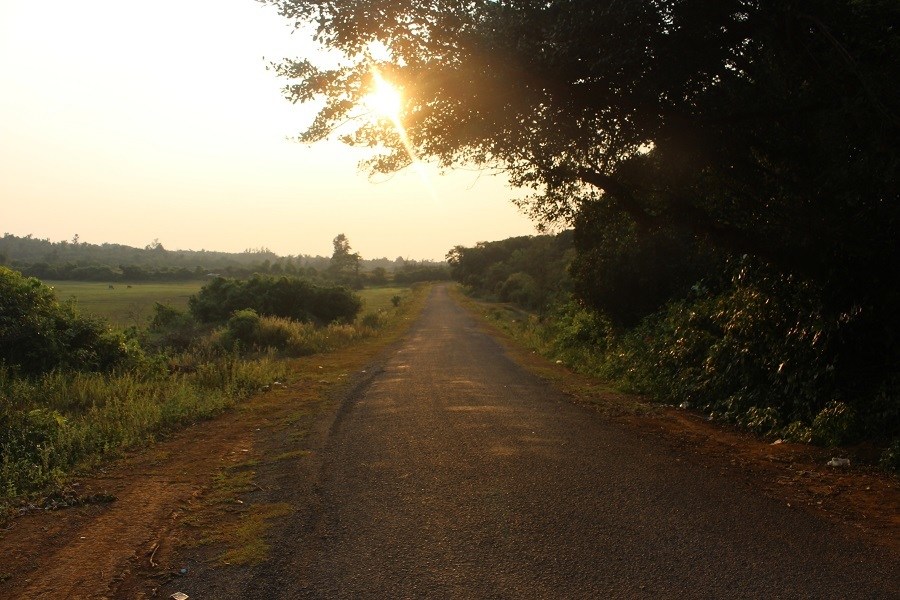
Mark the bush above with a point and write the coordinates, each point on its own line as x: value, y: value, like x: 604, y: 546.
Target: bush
x: 38, y: 333
x: 833, y: 425
x: 172, y: 329
x: 890, y: 458
x: 243, y: 327
x: 288, y: 297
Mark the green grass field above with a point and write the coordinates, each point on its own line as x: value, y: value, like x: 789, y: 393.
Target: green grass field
x: 123, y: 306
x: 380, y: 297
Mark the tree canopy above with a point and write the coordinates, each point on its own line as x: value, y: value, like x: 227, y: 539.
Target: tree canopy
x: 763, y: 127
x: 704, y: 132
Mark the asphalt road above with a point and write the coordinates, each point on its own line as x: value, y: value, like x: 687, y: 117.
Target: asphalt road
x: 456, y: 474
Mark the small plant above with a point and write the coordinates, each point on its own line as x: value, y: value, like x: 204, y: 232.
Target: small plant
x: 243, y: 326
x: 890, y: 458
x: 371, y: 320
x: 833, y: 425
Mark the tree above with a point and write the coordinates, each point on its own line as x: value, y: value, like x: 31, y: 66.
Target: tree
x: 344, y: 263
x: 747, y: 123
x: 39, y: 334
x: 726, y: 127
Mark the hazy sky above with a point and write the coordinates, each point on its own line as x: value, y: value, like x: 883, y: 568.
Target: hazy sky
x: 129, y: 121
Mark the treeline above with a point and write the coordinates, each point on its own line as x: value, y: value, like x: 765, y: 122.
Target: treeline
x: 79, y: 261
x: 531, y: 272
x: 692, y: 326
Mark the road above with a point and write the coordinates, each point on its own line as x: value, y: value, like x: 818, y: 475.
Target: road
x: 454, y: 473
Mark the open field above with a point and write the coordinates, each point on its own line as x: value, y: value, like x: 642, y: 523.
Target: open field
x: 123, y: 305
x: 375, y: 299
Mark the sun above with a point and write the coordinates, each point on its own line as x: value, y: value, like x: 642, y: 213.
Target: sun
x: 385, y: 100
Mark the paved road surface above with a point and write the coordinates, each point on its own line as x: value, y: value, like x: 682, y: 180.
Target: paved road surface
x: 455, y: 474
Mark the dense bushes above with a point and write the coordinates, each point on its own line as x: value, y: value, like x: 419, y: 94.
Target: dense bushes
x: 287, y: 297
x: 529, y: 270
x: 743, y: 343
x: 417, y: 273
x: 38, y: 333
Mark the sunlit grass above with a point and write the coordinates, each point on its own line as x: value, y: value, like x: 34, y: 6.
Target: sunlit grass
x: 375, y: 299
x: 124, y: 304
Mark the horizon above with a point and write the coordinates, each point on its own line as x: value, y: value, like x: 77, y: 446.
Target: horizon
x: 251, y: 251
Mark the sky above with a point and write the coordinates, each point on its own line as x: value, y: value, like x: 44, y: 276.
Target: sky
x: 127, y: 122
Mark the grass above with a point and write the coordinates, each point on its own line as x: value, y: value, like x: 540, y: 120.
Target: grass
x: 125, y: 304
x: 132, y: 304
x: 62, y: 420
x: 379, y: 298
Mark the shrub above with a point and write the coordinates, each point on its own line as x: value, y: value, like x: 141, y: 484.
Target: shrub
x: 890, y: 458
x: 243, y: 327
x: 171, y: 329
x: 38, y: 333
x: 288, y: 297
x: 371, y: 320
x: 833, y: 425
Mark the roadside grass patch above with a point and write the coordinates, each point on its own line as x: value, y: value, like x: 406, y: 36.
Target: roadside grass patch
x: 534, y: 348
x: 60, y: 421
x: 245, y: 538
x: 291, y: 455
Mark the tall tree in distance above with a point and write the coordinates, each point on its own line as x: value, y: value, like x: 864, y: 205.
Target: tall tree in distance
x: 344, y: 266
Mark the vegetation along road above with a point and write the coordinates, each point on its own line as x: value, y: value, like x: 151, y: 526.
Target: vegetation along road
x: 453, y: 473
x: 442, y: 469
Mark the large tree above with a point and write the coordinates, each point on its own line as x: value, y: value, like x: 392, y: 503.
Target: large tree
x: 765, y: 127
x: 756, y: 127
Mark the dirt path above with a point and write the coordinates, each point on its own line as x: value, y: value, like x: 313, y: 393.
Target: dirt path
x: 446, y: 470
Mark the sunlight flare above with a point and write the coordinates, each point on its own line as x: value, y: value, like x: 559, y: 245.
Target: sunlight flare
x: 387, y: 101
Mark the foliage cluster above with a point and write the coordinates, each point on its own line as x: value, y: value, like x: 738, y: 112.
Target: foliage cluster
x: 756, y: 349
x: 528, y: 271
x: 288, y: 297
x: 38, y: 334
x: 417, y: 273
